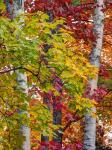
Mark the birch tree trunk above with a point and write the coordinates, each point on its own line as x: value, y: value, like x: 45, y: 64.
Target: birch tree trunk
x: 22, y: 81
x: 14, y: 10
x: 90, y: 122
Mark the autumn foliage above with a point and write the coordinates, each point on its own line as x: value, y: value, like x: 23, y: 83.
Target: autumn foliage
x: 51, y: 43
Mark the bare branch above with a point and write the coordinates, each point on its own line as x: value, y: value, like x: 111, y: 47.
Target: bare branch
x: 17, y: 68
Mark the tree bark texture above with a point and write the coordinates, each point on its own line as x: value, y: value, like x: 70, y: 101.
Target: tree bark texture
x: 22, y: 81
x: 90, y: 122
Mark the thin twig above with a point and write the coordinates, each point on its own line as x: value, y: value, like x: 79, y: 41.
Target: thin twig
x: 17, y: 68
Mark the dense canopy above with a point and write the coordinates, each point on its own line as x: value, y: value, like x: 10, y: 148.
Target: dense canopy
x: 55, y: 70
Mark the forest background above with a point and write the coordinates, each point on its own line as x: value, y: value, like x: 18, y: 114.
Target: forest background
x: 54, y: 75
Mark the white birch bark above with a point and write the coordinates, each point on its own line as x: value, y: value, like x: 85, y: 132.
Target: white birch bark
x: 22, y: 79
x: 90, y: 122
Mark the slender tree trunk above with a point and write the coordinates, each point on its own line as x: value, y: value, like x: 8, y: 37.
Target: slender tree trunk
x: 57, y: 120
x: 14, y: 9
x: 45, y: 138
x: 22, y: 81
x: 90, y: 122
